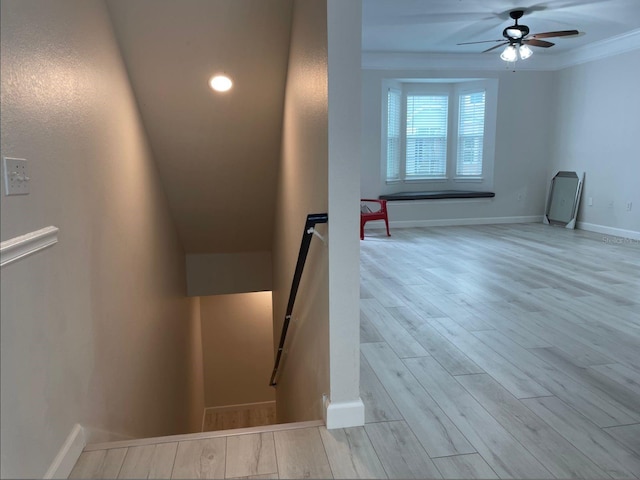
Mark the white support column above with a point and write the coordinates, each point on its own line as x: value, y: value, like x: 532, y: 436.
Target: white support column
x: 344, y: 407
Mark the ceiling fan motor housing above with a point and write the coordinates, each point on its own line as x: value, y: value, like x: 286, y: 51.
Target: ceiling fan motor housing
x: 515, y: 33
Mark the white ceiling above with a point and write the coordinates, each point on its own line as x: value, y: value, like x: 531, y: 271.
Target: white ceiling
x: 218, y: 155
x: 436, y: 26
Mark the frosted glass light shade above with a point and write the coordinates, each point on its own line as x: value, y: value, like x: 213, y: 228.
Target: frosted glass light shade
x: 510, y: 54
x: 525, y: 52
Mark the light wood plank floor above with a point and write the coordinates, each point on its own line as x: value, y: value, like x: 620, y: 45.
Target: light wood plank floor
x: 239, y: 416
x: 507, y: 351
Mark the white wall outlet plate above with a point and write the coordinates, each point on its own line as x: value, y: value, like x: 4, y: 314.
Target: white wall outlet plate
x: 16, y: 176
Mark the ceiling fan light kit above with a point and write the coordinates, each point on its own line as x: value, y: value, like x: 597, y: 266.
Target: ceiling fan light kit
x: 509, y: 54
x: 515, y: 34
x: 518, y: 40
x: 525, y: 52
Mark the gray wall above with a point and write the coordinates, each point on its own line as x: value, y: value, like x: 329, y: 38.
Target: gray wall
x: 97, y: 329
x: 523, y: 136
x: 223, y: 273
x: 597, y: 126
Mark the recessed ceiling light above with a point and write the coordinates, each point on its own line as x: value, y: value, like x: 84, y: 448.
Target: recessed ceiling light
x: 220, y: 83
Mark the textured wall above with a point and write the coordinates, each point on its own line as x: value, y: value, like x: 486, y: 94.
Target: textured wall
x: 238, y: 358
x: 95, y: 330
x: 302, y: 189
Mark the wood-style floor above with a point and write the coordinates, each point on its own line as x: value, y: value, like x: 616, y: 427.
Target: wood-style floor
x: 508, y: 351
x: 239, y: 416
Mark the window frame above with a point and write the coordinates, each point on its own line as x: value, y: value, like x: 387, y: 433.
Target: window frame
x: 454, y: 89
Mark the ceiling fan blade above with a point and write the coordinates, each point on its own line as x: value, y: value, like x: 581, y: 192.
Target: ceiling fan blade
x: 562, y: 33
x: 538, y: 43
x: 497, y: 46
x: 483, y: 41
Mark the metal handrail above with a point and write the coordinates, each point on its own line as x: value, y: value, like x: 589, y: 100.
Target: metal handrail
x: 309, y: 230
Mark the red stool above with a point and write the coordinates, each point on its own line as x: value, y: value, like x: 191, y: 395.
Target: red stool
x: 380, y: 214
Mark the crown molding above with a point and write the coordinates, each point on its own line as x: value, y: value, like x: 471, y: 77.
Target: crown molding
x: 444, y: 62
x: 598, y: 50
x: 491, y: 62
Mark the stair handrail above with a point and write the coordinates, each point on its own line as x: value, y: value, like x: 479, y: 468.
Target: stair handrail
x: 309, y: 230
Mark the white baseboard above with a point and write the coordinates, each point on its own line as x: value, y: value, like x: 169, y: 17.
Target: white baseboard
x: 240, y: 406
x: 344, y: 414
x: 615, y: 232
x: 69, y: 453
x: 452, y: 222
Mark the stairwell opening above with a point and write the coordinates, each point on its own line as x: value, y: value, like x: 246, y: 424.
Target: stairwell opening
x: 237, y: 353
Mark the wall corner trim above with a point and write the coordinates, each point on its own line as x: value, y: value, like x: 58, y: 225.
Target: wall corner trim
x: 24, y: 245
x: 345, y: 414
x: 69, y: 453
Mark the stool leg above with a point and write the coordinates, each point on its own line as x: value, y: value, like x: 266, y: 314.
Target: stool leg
x: 386, y: 222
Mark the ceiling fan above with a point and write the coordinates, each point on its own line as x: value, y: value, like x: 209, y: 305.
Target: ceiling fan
x: 518, y: 39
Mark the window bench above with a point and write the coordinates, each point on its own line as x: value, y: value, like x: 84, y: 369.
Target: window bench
x: 438, y: 195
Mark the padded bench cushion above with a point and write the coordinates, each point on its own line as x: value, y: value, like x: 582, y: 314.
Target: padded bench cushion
x: 436, y: 195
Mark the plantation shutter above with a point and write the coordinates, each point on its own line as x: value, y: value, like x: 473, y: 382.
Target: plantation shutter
x: 426, y: 150
x: 470, y: 134
x: 393, y: 134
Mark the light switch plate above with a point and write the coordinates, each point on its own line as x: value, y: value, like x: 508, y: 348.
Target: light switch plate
x: 16, y: 176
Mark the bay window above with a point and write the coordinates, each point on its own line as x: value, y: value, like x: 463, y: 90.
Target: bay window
x: 439, y: 133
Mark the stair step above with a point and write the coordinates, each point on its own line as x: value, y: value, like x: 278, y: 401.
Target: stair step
x: 239, y: 416
x: 198, y: 436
